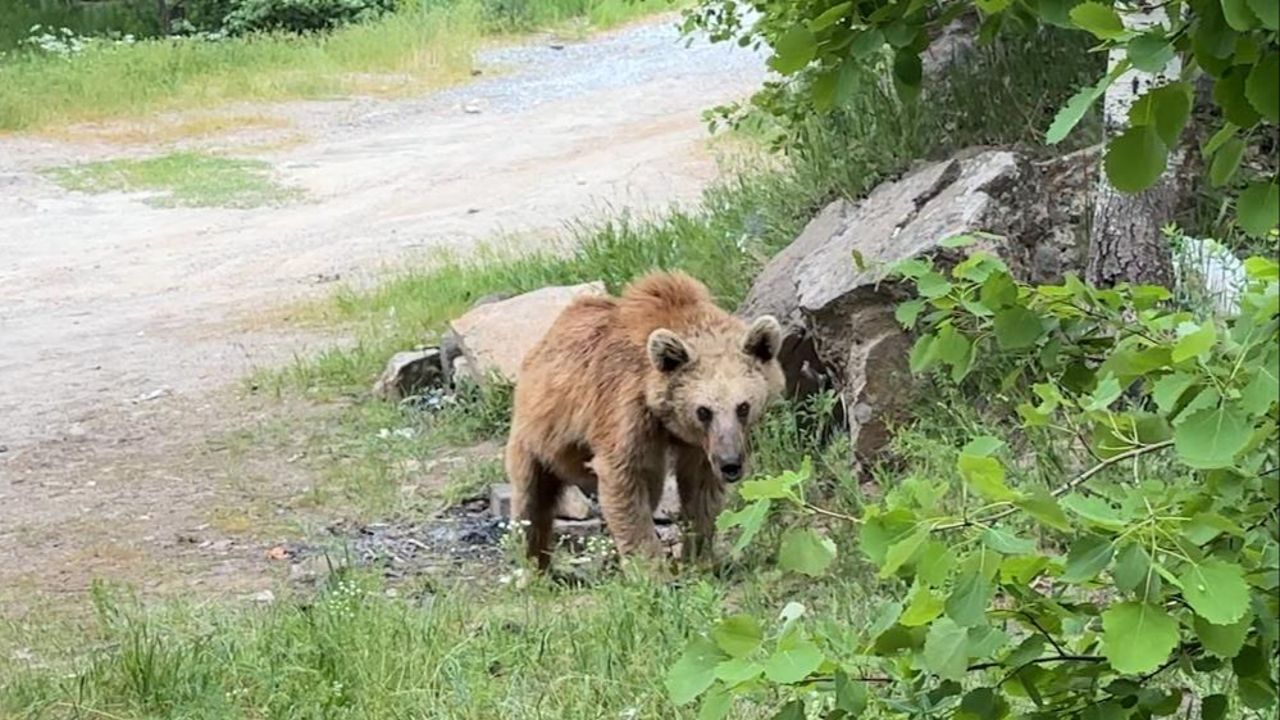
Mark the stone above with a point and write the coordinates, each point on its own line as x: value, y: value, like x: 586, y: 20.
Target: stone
x: 409, y: 373
x: 669, y: 505
x: 832, y: 289
x: 578, y: 529
x: 493, y: 338
x: 500, y: 500
x: 574, y: 504
x: 953, y: 45
x: 451, y: 345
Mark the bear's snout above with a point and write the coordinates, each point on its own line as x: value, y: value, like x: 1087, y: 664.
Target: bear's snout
x: 730, y: 468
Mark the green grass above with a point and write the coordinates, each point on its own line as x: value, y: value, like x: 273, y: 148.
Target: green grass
x: 423, y: 46
x: 184, y: 178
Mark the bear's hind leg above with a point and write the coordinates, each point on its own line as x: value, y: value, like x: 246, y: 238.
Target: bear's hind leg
x: 535, y: 490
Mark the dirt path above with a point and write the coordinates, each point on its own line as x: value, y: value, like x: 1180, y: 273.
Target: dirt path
x: 119, y: 321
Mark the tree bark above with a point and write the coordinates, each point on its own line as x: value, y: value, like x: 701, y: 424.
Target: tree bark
x: 162, y: 13
x: 1125, y: 239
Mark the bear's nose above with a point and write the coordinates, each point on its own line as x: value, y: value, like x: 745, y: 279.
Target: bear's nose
x: 731, y: 470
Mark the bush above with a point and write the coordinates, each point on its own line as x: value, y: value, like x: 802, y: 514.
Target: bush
x: 301, y: 16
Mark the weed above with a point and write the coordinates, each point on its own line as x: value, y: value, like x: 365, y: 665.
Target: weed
x: 182, y: 178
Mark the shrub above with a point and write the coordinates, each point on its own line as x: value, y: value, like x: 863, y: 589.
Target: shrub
x: 301, y: 16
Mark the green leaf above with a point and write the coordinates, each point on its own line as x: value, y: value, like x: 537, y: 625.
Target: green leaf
x: 923, y: 608
x: 851, y: 697
x: 1041, y: 505
x: 1229, y: 93
x: 1100, y: 20
x: 1166, y: 108
x: 982, y: 446
x: 794, y: 50
x: 986, y: 476
x: 1258, y: 207
x: 1074, y: 111
x: 1005, y: 542
x: 736, y: 671
x: 1262, y: 88
x: 1211, y: 438
x: 1137, y: 637
x: 1203, y: 527
x: 1107, y: 392
x: 907, y: 313
x: 1214, y: 707
x: 750, y: 518
x: 1133, y: 572
x: 793, y: 710
x: 738, y: 635
x: 793, y: 663
x: 1095, y: 511
x: 1239, y: 16
x: 694, y: 672
x: 1216, y: 590
x: 1089, y: 556
x: 1169, y: 389
x: 1264, y: 387
x: 901, y: 552
x: 1225, y: 133
x: 1226, y: 161
x: 830, y: 17
x: 933, y: 285
x: 805, y: 551
x: 946, y: 650
x: 1224, y: 641
x: 881, y: 530
x: 1267, y: 12
x: 716, y: 704
x: 1136, y: 159
x: 1150, y: 52
x: 1194, y: 341
x: 867, y: 42
x: 1016, y: 328
x: 967, y: 603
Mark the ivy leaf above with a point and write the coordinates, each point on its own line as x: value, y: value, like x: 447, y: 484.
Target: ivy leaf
x: 1212, y: 437
x: 793, y: 663
x: 1216, y: 590
x: 1224, y: 641
x: 967, y: 603
x: 1016, y: 328
x: 1005, y: 542
x: 1226, y: 161
x: 923, y: 608
x: 694, y: 672
x: 1100, y: 20
x: 946, y: 650
x: 1088, y: 556
x: 1137, y: 637
x: 738, y: 635
x: 901, y: 552
x: 1194, y: 341
x: 1267, y: 12
x: 1136, y: 159
x: 1258, y: 207
x: 1150, y: 52
x: 794, y: 50
x: 805, y: 551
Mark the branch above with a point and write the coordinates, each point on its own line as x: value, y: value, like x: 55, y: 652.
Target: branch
x: 831, y: 513
x: 1031, y: 618
x: 1038, y: 661
x: 1072, y: 485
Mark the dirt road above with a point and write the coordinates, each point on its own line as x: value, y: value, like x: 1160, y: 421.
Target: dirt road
x: 118, y: 319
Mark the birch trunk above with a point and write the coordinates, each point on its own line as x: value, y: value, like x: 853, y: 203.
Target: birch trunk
x: 1125, y: 239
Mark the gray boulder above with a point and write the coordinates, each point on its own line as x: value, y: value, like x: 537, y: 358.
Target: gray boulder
x: 409, y: 373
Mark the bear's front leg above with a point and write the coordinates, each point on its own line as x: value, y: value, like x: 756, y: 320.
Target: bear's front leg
x: 701, y: 500
x: 624, y: 501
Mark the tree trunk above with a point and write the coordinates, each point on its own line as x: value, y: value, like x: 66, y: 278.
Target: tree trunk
x: 1125, y: 239
x: 162, y: 13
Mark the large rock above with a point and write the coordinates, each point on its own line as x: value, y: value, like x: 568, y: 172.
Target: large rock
x: 492, y: 339
x: 409, y: 373
x: 833, y: 287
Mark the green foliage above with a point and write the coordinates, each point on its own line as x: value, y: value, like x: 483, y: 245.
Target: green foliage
x: 182, y: 178
x: 825, y: 48
x: 1145, y: 568
x: 301, y: 16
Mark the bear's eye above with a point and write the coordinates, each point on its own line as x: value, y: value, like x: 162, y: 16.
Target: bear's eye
x: 744, y: 410
x: 704, y: 414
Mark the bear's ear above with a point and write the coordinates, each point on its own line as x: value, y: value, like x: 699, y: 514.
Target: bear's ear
x: 667, y: 351
x: 764, y: 337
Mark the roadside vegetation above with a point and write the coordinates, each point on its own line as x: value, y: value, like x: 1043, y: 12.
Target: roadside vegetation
x: 57, y: 76
x: 1153, y: 585
x: 184, y: 178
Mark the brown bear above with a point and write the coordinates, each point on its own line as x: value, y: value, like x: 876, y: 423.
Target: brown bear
x: 616, y: 387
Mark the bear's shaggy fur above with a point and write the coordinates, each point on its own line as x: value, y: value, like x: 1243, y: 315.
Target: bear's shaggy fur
x: 619, y: 384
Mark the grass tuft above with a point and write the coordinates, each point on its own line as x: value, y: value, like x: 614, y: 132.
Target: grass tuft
x: 183, y: 178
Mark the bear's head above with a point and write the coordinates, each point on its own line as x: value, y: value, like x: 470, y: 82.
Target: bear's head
x: 709, y: 386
